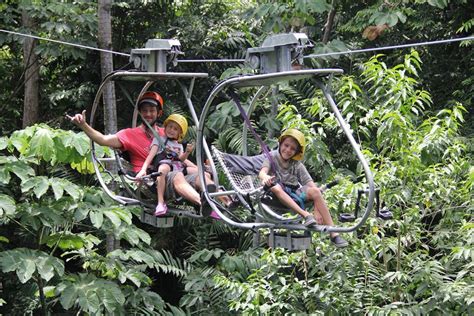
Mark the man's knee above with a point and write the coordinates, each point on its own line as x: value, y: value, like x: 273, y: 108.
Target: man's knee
x: 164, y: 168
x: 178, y: 178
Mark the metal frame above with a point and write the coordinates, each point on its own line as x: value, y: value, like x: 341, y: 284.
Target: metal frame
x: 263, y: 81
x: 149, y: 78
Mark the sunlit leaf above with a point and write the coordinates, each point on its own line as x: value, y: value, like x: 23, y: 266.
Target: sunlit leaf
x: 58, y: 189
x: 113, y: 217
x: 42, y: 144
x: 22, y: 170
x: 97, y: 218
x: 7, y: 205
x: 65, y: 241
x: 3, y: 142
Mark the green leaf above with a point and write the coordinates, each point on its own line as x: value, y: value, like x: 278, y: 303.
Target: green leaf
x: 22, y: 170
x: 26, y: 268
x: 9, y: 261
x: 57, y: 187
x: 438, y: 3
x: 114, y: 218
x: 45, y: 270
x: 41, y: 145
x: 26, y: 261
x: 3, y: 142
x: 89, y: 300
x: 65, y: 241
x: 4, y: 176
x: 60, y: 185
x: 124, y: 214
x: 7, y: 205
x: 68, y: 297
x: 72, y: 189
x: 78, y: 141
x: 97, y: 218
x: 112, y: 298
x: 49, y: 291
x: 38, y: 184
x: 41, y: 187
x: 380, y: 18
x: 20, y: 140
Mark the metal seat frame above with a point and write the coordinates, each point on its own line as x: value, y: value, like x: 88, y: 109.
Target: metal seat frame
x: 264, y: 81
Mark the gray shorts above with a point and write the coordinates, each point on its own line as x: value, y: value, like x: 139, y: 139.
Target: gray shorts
x: 170, y: 192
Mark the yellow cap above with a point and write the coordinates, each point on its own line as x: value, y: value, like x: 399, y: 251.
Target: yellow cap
x: 181, y: 121
x: 299, y: 137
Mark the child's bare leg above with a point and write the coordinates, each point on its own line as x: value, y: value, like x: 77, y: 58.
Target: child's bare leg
x: 161, y: 182
x: 284, y: 198
x: 321, y: 210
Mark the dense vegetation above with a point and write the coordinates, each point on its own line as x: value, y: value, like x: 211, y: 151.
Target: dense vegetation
x: 411, y: 110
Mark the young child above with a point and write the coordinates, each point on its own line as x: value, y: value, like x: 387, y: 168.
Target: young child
x: 293, y: 179
x: 170, y: 158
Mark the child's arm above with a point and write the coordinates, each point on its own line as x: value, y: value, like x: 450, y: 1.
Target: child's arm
x: 148, y: 160
x: 266, y: 179
x: 185, y: 154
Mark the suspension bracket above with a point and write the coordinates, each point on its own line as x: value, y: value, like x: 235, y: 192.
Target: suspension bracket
x: 156, y: 55
x: 278, y: 53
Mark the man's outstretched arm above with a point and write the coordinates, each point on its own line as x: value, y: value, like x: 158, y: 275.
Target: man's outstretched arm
x: 99, y: 138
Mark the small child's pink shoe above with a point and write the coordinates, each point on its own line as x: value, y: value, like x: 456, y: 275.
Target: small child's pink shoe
x: 214, y: 215
x: 161, y: 209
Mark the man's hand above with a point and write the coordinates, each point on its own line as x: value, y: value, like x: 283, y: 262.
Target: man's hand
x: 78, y: 119
x: 139, y: 175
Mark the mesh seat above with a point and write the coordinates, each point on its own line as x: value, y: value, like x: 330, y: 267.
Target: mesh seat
x: 242, y: 173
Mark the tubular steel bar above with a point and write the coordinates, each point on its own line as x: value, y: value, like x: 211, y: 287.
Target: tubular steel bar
x: 252, y: 106
x: 356, y: 148
x: 266, y: 80
x: 187, y: 93
x: 150, y: 77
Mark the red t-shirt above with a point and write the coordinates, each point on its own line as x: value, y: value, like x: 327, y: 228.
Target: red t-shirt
x: 137, y: 143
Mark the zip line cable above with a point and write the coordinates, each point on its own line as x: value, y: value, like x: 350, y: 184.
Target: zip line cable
x: 211, y: 60
x: 391, y: 47
x: 348, y: 52
x: 65, y: 43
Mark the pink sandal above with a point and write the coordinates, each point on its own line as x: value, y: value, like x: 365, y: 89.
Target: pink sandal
x: 161, y: 209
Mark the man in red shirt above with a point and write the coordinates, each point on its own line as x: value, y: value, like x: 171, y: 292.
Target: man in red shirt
x: 136, y: 141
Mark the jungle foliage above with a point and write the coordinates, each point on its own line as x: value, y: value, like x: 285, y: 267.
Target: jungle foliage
x: 411, y: 111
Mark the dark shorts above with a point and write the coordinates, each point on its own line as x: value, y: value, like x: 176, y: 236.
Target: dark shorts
x: 170, y: 192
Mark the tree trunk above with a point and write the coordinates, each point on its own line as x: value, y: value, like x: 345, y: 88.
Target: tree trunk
x: 31, y: 64
x: 106, y: 66
x: 329, y: 22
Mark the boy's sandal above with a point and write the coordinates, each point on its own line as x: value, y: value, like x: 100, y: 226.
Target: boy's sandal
x: 339, y: 242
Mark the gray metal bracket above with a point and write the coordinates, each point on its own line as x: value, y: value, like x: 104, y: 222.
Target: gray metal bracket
x: 161, y: 222
x: 289, y: 240
x: 278, y: 52
x: 156, y: 55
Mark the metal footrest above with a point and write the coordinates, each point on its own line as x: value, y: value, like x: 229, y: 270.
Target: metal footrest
x: 162, y: 222
x: 290, y: 240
